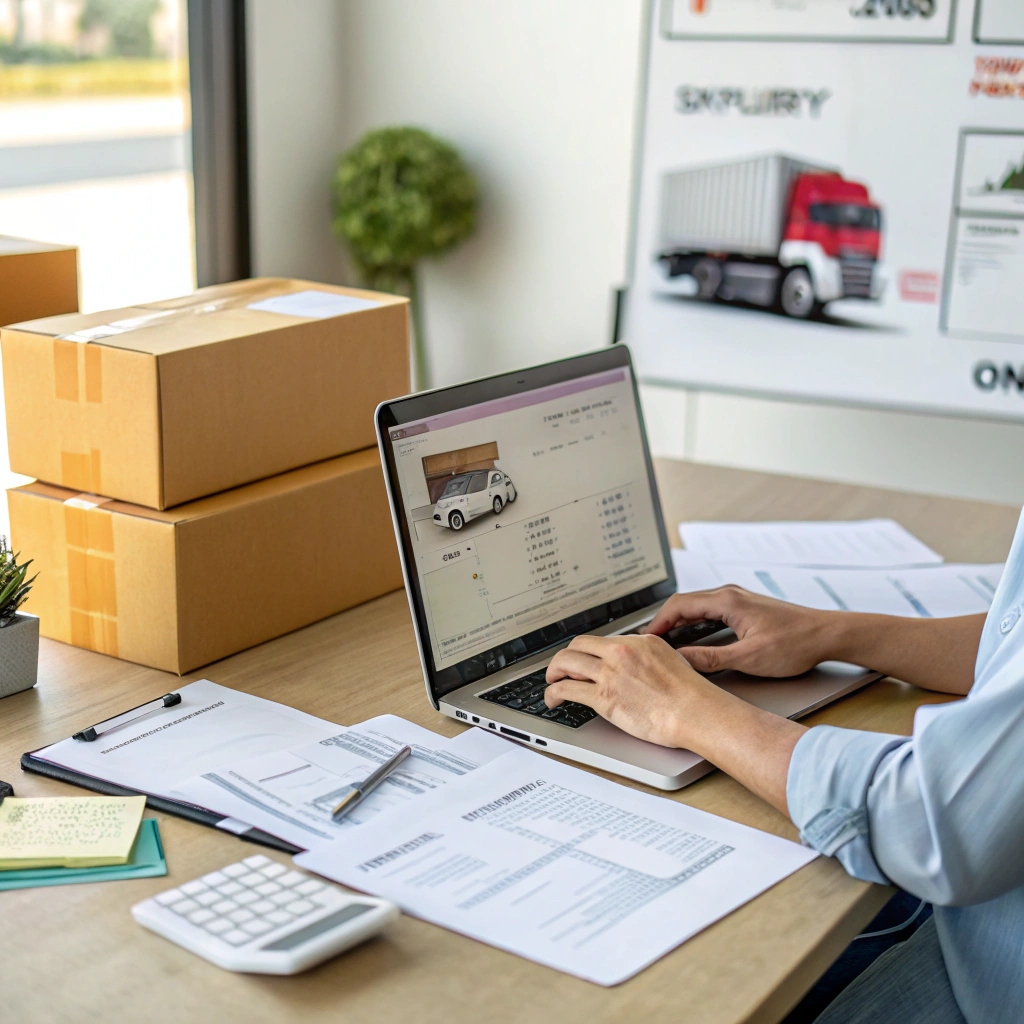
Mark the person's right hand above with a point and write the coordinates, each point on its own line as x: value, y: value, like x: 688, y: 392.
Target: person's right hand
x: 774, y: 638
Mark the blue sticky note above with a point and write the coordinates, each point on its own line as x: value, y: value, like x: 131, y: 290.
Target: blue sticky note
x: 147, y: 861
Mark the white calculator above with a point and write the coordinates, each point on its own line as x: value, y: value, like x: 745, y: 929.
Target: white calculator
x: 260, y: 917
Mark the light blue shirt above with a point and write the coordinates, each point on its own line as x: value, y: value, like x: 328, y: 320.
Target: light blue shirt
x: 941, y: 813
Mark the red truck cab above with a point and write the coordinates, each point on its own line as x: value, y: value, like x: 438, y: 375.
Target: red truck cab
x: 839, y: 217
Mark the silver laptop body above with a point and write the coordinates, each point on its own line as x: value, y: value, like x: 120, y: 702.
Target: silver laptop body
x: 526, y: 513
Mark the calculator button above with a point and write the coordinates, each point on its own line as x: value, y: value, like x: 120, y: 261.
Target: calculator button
x: 218, y: 925
x: 229, y: 888
x: 245, y: 897
x: 234, y: 870
x: 300, y: 907
x: 279, y: 899
x: 235, y: 937
x: 262, y: 907
x: 224, y: 907
x: 185, y: 907
x: 256, y: 862
x: 201, y: 916
x: 204, y: 899
x: 292, y: 878
x: 240, y: 915
x: 279, y: 917
x: 267, y: 888
x: 250, y: 879
x: 310, y: 887
x: 274, y: 870
x: 191, y: 888
x: 165, y: 899
x: 214, y: 878
x: 256, y: 927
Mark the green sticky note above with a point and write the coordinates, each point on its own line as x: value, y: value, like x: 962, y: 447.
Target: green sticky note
x: 147, y: 861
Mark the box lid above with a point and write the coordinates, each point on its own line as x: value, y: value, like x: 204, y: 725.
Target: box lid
x: 215, y: 314
x: 11, y: 246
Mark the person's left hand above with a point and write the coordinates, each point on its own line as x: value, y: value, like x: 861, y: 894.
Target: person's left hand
x: 638, y: 683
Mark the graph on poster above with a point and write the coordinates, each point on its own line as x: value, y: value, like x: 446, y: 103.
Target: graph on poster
x: 829, y: 202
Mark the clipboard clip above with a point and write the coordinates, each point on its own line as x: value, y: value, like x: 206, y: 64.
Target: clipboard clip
x: 168, y: 700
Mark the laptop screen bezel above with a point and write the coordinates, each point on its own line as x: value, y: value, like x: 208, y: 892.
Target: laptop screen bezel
x: 394, y: 414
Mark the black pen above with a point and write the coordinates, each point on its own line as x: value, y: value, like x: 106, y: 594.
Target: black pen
x: 355, y: 794
x: 168, y: 700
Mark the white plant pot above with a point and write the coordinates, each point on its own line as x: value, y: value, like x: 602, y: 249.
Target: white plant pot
x: 19, y: 654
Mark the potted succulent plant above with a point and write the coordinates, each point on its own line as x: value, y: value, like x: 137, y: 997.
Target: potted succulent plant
x: 19, y: 632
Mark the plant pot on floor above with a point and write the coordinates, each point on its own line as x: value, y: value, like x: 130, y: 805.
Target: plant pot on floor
x: 19, y: 654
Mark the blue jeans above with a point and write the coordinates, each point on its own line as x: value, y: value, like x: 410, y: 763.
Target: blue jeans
x: 892, y: 972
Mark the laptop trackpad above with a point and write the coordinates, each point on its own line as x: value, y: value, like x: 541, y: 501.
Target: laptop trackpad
x: 798, y: 695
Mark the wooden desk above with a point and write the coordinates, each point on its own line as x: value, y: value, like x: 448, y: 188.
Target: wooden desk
x: 73, y: 953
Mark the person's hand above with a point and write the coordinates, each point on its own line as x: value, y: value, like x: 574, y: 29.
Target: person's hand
x: 638, y: 683
x: 773, y: 638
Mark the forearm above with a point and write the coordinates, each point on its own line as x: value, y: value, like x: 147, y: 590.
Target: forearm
x: 751, y: 745
x: 936, y: 654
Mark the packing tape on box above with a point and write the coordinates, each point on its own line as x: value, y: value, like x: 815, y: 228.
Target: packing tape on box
x: 92, y: 586
x: 78, y: 365
x: 166, y: 312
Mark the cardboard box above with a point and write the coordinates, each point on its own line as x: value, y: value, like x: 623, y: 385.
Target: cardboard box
x: 162, y: 404
x: 179, y: 589
x: 36, y: 279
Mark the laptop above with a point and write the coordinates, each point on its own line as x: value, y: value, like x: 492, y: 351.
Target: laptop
x: 526, y: 513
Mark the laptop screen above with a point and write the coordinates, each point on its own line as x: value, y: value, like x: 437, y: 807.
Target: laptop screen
x: 528, y: 518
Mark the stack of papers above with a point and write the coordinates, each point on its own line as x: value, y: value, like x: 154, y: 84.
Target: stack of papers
x: 560, y: 866
x: 68, y: 832
x: 473, y: 833
x: 873, y: 565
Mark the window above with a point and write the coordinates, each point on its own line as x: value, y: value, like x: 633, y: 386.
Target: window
x: 94, y: 141
x: 95, y: 121
x: 847, y: 215
x: 456, y: 486
x: 478, y: 483
x: 495, y: 479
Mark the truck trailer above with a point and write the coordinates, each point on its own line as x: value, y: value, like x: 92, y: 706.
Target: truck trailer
x: 771, y: 230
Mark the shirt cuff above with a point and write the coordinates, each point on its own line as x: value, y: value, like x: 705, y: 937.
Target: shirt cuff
x: 830, y: 773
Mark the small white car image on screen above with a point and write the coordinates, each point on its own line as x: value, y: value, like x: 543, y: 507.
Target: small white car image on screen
x: 469, y: 495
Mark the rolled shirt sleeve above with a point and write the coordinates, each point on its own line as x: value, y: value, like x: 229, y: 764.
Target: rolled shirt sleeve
x: 830, y: 774
x: 940, y: 813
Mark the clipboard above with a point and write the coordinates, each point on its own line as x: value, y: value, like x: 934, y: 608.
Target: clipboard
x: 200, y: 815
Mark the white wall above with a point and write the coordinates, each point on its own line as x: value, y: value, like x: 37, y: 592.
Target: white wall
x: 540, y: 99
x: 296, y: 96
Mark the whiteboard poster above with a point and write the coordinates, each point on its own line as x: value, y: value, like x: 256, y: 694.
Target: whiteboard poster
x: 820, y: 213
x: 842, y: 20
x: 999, y: 21
x: 984, y: 279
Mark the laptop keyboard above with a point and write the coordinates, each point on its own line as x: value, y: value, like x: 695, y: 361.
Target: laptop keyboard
x: 527, y: 695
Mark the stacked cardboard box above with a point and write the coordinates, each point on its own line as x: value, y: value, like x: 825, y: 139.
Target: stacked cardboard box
x: 208, y: 472
x: 36, y: 279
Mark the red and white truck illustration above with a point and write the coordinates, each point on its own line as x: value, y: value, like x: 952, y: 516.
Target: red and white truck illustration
x: 771, y: 230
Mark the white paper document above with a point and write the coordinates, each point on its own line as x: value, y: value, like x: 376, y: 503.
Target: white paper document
x: 315, y: 305
x: 291, y: 793
x: 560, y: 866
x: 211, y: 725
x: 933, y: 592
x: 866, y: 543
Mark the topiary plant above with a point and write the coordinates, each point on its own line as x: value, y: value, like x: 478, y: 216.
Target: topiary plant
x: 13, y: 586
x: 402, y: 195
